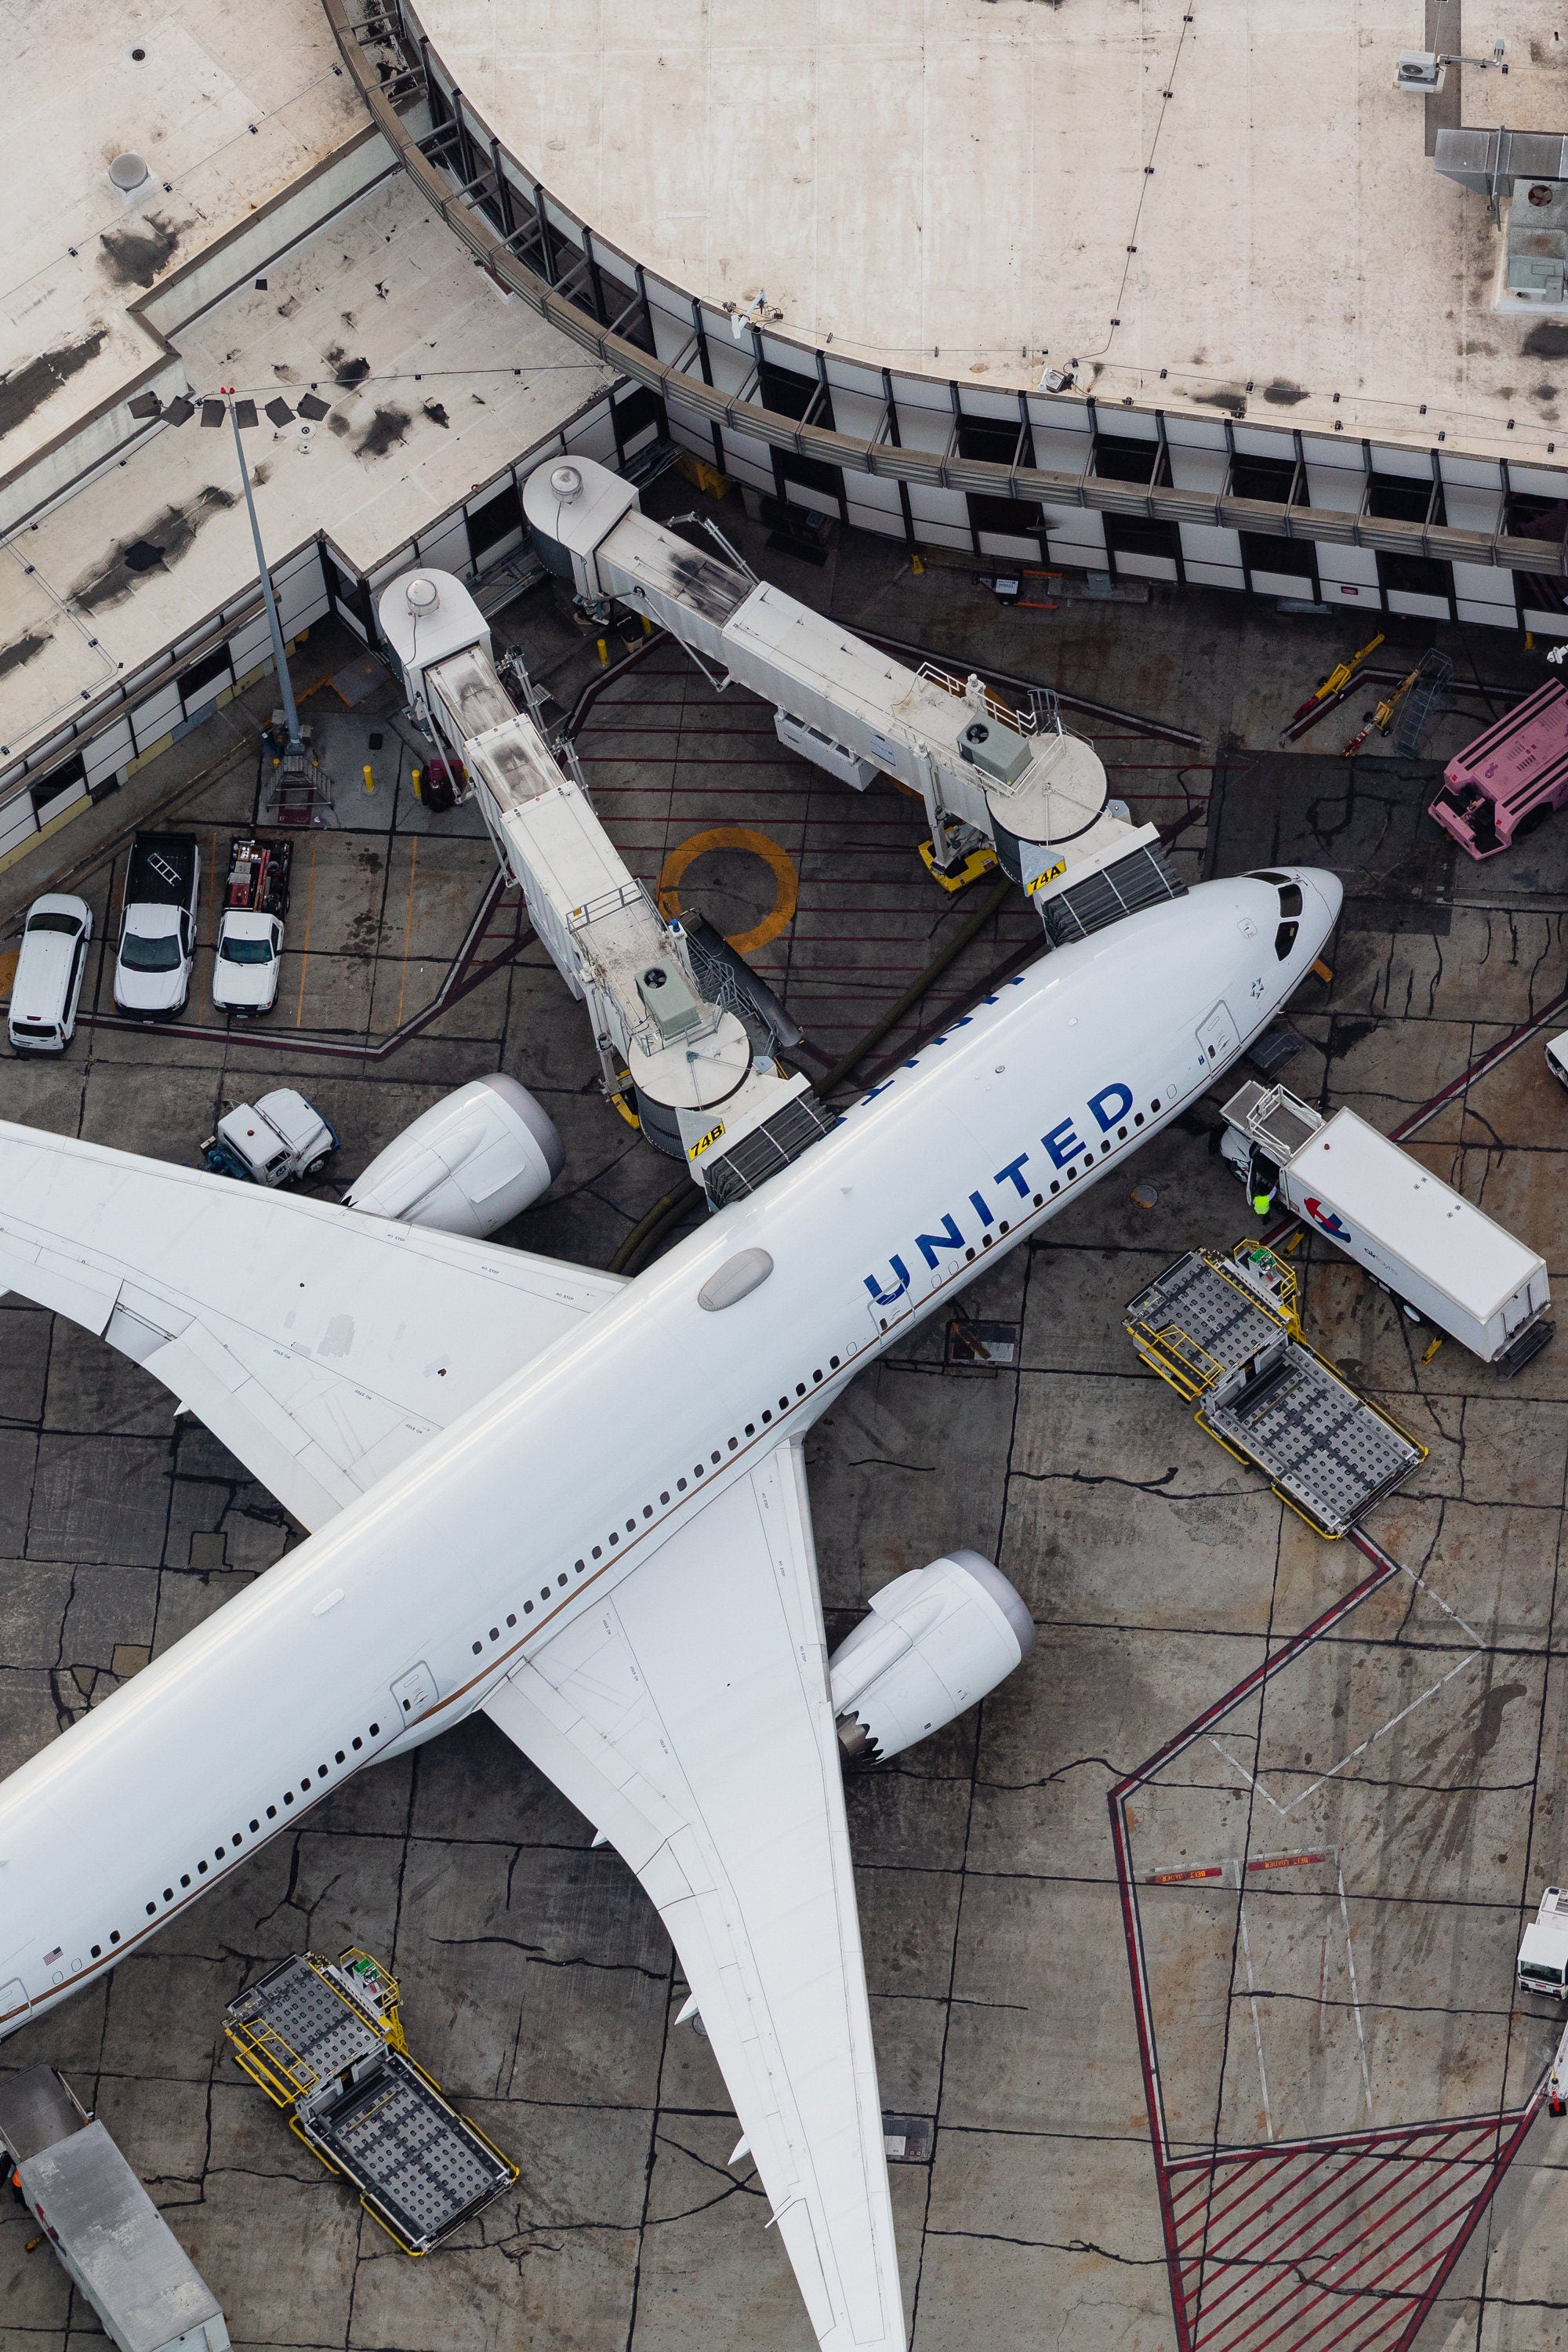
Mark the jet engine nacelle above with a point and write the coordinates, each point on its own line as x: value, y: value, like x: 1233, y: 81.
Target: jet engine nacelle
x: 469, y: 1165
x: 936, y: 1641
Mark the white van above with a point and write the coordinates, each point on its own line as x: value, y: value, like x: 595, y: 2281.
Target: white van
x: 49, y: 973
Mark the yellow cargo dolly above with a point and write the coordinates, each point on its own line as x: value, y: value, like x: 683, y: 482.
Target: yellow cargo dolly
x: 324, y: 2040
x: 1225, y: 1333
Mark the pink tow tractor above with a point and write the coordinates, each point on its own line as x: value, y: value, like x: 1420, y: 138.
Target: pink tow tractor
x: 1509, y: 779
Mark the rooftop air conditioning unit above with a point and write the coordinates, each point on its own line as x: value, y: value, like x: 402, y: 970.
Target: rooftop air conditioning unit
x: 1538, y: 240
x: 1420, y: 70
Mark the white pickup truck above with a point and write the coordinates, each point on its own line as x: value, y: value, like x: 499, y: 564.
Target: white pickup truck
x: 158, y: 926
x: 247, y: 964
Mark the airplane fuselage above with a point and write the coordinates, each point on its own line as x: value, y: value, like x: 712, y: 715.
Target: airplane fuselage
x: 400, y: 1615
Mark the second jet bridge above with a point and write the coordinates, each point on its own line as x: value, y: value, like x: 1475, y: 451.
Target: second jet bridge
x: 697, y: 1055
x: 987, y: 773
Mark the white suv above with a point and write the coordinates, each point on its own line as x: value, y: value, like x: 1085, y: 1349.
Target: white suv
x: 49, y: 972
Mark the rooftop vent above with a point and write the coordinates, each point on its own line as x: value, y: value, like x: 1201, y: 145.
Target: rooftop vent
x: 128, y: 173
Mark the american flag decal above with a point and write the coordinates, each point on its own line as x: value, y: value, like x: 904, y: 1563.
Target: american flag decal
x: 51, y: 1958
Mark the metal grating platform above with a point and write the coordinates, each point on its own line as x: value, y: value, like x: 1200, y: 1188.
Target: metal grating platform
x: 1228, y: 1334
x: 1323, y: 1447
x: 1205, y: 1317
x: 308, y: 2030
x: 401, y: 2144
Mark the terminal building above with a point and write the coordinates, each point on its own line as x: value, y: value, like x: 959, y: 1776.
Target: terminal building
x: 1217, y: 295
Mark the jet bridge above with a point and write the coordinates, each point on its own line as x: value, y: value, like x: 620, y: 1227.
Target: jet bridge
x: 671, y: 1021
x: 989, y: 774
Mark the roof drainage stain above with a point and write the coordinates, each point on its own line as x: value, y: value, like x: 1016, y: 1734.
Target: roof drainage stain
x: 165, y: 540
x: 1282, y: 394
x: 22, y: 650
x: 344, y: 369
x: 134, y: 257
x: 387, y: 427
x: 27, y: 388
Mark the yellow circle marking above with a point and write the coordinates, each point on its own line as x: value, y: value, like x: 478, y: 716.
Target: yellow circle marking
x: 786, y: 881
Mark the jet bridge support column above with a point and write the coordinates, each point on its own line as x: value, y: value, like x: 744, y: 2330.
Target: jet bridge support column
x: 989, y: 774
x: 699, y: 1060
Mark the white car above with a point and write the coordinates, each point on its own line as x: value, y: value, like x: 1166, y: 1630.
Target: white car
x: 1557, y: 1059
x: 49, y: 971
x: 247, y: 962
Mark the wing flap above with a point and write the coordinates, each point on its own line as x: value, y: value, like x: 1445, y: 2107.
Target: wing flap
x: 687, y: 1716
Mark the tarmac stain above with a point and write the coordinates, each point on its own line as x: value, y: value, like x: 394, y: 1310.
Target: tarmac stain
x: 387, y: 427
x: 437, y: 413
x: 27, y: 388
x: 23, y: 649
x: 166, y: 539
x: 134, y: 257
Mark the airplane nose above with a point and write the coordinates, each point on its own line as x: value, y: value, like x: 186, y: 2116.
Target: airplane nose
x: 1326, y: 886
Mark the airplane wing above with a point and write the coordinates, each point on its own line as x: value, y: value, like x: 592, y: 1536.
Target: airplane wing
x: 320, y: 1345
x: 688, y: 1717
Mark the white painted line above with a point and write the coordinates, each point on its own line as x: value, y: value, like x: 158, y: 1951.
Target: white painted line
x: 1374, y: 1736
x: 1355, y: 1998
x: 1247, y: 1777
x: 1467, y: 1631
x: 1257, y: 2028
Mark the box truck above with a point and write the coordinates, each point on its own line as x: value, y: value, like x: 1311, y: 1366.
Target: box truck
x: 1445, y: 1262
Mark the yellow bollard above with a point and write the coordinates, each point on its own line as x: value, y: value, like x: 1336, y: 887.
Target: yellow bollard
x: 917, y: 564
x: 647, y: 626
x: 369, y: 779
x: 604, y: 655
x: 418, y: 772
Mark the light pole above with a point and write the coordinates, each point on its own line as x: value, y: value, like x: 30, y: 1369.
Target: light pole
x: 291, y: 709
x: 147, y: 407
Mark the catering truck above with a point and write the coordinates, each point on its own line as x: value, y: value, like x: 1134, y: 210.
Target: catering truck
x: 1443, y: 1260
x: 113, y: 2243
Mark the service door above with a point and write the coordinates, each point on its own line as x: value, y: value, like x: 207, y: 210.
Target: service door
x: 1218, y: 1039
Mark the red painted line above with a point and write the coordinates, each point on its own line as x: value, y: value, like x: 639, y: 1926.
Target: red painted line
x: 1340, y: 2287
x: 1180, y: 1877
x: 1285, y: 1861
x: 1479, y: 1070
x: 1504, y: 2159
x: 1353, y: 2180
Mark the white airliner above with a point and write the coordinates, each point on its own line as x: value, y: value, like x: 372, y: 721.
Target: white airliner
x: 578, y: 1503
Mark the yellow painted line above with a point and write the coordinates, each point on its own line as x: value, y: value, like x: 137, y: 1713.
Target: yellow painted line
x: 786, y: 880
x: 305, y: 950
x: 407, y: 927
x: 8, y: 972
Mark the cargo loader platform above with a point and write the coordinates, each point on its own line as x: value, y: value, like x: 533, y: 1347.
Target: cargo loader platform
x: 323, y: 2040
x: 1226, y: 1334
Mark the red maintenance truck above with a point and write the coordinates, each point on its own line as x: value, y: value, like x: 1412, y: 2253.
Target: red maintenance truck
x: 1510, y: 779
